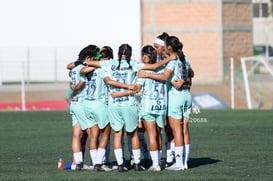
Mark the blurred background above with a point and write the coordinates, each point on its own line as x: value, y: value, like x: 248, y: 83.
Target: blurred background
x: 228, y: 42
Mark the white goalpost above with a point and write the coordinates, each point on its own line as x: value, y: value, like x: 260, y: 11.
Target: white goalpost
x: 23, y: 90
x: 232, y: 91
x: 248, y: 70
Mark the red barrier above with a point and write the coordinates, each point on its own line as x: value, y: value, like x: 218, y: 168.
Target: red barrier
x: 36, y: 105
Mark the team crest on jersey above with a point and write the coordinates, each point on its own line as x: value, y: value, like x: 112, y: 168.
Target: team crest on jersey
x: 114, y: 67
x: 120, y: 74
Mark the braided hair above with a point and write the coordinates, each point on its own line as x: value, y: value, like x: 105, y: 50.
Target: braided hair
x: 177, y: 47
x: 124, y: 53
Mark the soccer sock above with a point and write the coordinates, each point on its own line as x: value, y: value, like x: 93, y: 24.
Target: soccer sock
x: 136, y: 153
x: 187, y: 152
x: 93, y: 155
x: 78, y: 157
x: 119, y: 156
x: 154, y: 156
x: 170, y: 152
x: 179, y: 155
x: 100, y: 155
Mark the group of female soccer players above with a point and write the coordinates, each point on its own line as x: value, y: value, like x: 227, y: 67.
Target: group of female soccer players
x: 104, y: 99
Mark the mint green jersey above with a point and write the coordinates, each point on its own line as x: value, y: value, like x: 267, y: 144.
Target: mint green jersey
x: 76, y: 77
x: 96, y: 89
x: 124, y: 75
x: 176, y: 67
x: 154, y: 95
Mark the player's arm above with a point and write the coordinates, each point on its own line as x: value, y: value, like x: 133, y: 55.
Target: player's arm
x: 182, y: 84
x: 178, y: 83
x: 71, y: 65
x: 138, y: 88
x: 157, y: 65
x: 86, y: 70
x: 90, y: 62
x: 127, y: 93
x: 160, y: 77
x: 122, y: 94
x: 114, y: 83
x: 77, y: 88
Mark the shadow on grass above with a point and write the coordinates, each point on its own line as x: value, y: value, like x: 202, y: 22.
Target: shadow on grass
x: 197, y: 162
x: 194, y: 162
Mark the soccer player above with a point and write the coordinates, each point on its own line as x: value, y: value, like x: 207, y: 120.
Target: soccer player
x: 106, y: 53
x: 186, y: 85
x: 95, y: 108
x: 153, y: 107
x: 79, y: 120
x: 179, y: 101
x: 160, y: 45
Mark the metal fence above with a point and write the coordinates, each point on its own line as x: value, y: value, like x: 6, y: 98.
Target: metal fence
x: 36, y: 64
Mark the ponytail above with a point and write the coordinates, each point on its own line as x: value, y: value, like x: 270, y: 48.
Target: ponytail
x: 183, y: 61
x: 125, y: 53
x: 177, y: 47
x: 130, y: 66
x: 119, y: 61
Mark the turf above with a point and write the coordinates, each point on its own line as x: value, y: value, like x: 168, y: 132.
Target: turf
x: 225, y: 145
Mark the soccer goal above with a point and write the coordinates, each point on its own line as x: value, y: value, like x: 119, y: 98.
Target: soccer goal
x: 257, y: 75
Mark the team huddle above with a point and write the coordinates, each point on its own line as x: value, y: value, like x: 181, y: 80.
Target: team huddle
x: 126, y: 96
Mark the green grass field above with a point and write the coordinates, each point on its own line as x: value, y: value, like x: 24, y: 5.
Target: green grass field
x: 225, y: 145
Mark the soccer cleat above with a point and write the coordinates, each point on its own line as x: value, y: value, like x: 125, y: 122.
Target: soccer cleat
x: 106, y: 168
x: 91, y: 167
x: 138, y: 167
x: 73, y: 167
x: 175, y: 167
x: 102, y: 168
x: 154, y: 168
x: 146, y: 163
x: 87, y: 167
x: 114, y: 167
x: 168, y: 164
x: 132, y: 162
x: 79, y: 166
x: 97, y: 168
x: 122, y: 168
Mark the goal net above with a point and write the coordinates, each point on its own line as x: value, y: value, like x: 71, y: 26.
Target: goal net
x: 257, y: 75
